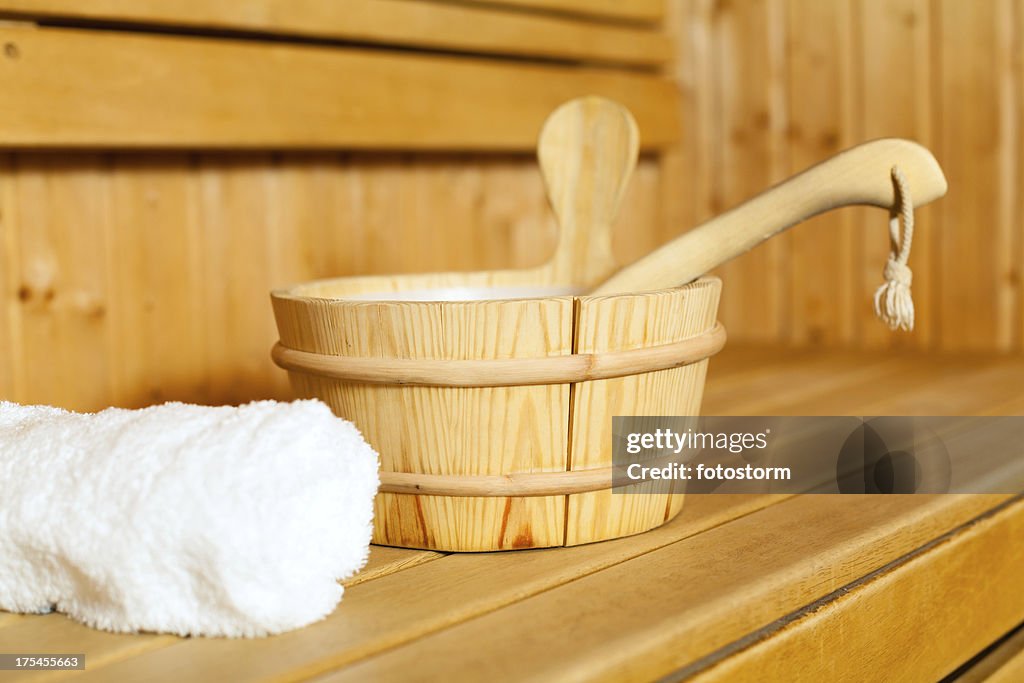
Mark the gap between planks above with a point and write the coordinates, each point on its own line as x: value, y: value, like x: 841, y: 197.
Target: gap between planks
x: 927, y: 580
x: 1001, y: 663
x: 683, y: 601
x: 455, y: 27
x: 394, y: 609
x: 56, y: 633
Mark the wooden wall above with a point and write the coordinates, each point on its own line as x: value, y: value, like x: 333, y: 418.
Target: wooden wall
x: 164, y: 164
x: 771, y: 86
x: 136, y: 253
x: 134, y: 278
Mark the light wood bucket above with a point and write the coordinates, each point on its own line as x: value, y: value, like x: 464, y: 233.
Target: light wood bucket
x: 493, y: 418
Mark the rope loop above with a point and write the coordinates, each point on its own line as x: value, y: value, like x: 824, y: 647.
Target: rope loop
x: 894, y: 304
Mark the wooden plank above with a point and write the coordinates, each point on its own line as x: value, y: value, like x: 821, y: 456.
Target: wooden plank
x: 819, y: 118
x: 894, y: 36
x: 384, y: 560
x: 636, y: 10
x: 57, y: 633
x: 820, y: 386
x: 975, y: 145
x: 862, y: 633
x: 78, y: 88
x: 10, y: 309
x: 684, y: 601
x: 236, y: 213
x: 1017, y: 271
x: 395, y: 609
x: 480, y: 28
x: 1004, y: 664
x: 687, y: 167
x: 859, y: 383
x: 751, y: 103
x: 8, y: 619
x: 155, y: 283
x: 63, y: 217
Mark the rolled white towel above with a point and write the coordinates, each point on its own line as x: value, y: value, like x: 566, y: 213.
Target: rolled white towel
x: 183, y: 519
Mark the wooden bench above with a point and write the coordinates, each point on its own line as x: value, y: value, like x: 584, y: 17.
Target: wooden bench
x: 737, y: 588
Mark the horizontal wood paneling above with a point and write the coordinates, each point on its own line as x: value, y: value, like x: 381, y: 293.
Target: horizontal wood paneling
x: 75, y: 88
x: 636, y: 10
x: 482, y: 28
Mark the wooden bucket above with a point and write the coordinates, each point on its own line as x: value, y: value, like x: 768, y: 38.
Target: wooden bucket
x: 490, y: 396
x: 493, y: 418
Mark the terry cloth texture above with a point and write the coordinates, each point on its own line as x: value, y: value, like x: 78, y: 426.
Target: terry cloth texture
x: 183, y: 519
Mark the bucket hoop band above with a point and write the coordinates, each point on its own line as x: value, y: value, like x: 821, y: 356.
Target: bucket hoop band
x: 497, y: 485
x: 503, y: 372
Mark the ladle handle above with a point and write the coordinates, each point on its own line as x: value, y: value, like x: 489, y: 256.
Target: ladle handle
x: 587, y: 151
x: 860, y: 175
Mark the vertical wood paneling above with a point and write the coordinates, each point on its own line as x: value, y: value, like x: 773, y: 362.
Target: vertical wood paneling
x: 751, y: 113
x: 1017, y: 269
x: 237, y: 212
x: 512, y: 219
x: 943, y: 72
x: 63, y: 213
x: 892, y: 55
x: 820, y: 92
x: 157, y: 310
x: 131, y: 278
x: 687, y: 168
x: 10, y: 310
x: 976, y: 140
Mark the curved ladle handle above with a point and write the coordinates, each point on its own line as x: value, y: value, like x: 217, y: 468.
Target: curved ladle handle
x: 860, y: 175
x: 587, y: 151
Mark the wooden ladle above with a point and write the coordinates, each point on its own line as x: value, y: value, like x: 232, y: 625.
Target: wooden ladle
x: 860, y: 175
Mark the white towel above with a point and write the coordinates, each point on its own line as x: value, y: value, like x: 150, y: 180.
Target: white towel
x: 183, y: 519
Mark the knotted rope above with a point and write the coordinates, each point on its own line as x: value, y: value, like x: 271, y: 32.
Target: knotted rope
x: 893, y: 302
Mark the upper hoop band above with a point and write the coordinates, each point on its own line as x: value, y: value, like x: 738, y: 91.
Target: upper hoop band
x: 503, y: 372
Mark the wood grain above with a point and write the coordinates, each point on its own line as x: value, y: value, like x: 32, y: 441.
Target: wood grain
x: 859, y: 175
x: 384, y: 560
x: 681, y: 602
x: 1004, y: 664
x: 861, y: 634
x: 93, y: 96
x: 820, y: 98
x: 636, y: 10
x: 444, y: 430
x: 625, y: 322
x: 975, y: 113
x: 894, y: 35
x: 587, y: 151
x: 439, y: 26
x: 63, y: 291
x: 163, y: 228
x: 10, y: 311
x: 55, y: 632
x: 842, y: 71
x: 750, y: 54
x: 431, y: 600
x: 416, y: 602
